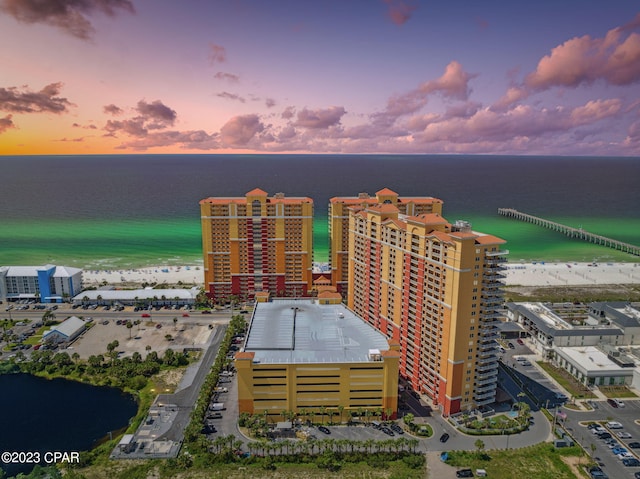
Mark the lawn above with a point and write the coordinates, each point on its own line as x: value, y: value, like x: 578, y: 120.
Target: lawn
x: 541, y: 461
x: 568, y: 382
x: 617, y: 392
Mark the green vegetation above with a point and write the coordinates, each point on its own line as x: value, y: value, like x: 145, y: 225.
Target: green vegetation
x: 617, y: 392
x: 573, y: 294
x: 577, y: 390
x: 541, y: 461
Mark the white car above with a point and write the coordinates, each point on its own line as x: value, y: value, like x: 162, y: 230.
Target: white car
x: 624, y: 435
x: 614, y: 425
x: 624, y: 455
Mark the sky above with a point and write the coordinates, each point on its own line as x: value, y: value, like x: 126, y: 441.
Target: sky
x: 322, y: 76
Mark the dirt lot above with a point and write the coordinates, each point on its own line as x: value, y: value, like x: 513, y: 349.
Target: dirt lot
x: 95, y: 340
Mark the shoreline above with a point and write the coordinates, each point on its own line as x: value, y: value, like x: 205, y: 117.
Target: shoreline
x: 537, y: 273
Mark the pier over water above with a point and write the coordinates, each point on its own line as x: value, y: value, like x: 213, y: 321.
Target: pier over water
x: 571, y: 232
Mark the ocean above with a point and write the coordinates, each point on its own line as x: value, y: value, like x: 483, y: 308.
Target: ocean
x: 130, y: 211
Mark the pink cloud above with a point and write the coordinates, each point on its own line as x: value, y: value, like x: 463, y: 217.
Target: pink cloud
x: 6, y: 123
x: 454, y: 83
x: 240, y: 130
x: 288, y: 113
x: 194, y: 139
x: 399, y: 11
x: 614, y: 59
x: 217, y: 54
x: 321, y: 118
x: 230, y: 77
x: 231, y: 96
x: 68, y: 15
x: 112, y: 109
x: 45, y: 100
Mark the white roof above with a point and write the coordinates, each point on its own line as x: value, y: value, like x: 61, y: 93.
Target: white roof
x: 59, y: 272
x: 590, y: 360
x: 132, y: 294
x: 68, y: 327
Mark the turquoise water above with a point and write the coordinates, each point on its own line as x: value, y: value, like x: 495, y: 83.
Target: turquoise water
x: 107, y: 244
x: 128, y: 211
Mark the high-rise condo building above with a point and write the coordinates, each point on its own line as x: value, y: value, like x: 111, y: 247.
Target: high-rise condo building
x: 257, y: 243
x: 339, y: 224
x: 436, y: 288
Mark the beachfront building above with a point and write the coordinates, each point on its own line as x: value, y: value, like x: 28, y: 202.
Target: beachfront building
x: 66, y: 331
x: 339, y: 225
x: 257, y: 243
x: 594, y: 366
x: 315, y: 360
x: 137, y: 297
x: 46, y: 284
x: 436, y: 288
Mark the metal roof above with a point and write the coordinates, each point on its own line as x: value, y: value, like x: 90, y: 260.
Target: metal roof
x: 303, y: 331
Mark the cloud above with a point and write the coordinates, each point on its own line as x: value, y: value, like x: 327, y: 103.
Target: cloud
x: 160, y: 114
x: 193, y: 139
x: 270, y: 103
x: 613, y: 59
x: 69, y: 15
x: 15, y: 101
x: 321, y: 118
x: 230, y: 77
x: 6, y: 123
x: 217, y: 54
x: 112, y: 109
x: 240, y: 130
x: 399, y: 11
x: 288, y: 113
x: 453, y: 84
x: 151, y: 116
x: 231, y: 96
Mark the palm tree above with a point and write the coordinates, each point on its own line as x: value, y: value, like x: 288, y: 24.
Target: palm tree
x: 129, y: 327
x: 341, y: 410
x: 175, y: 322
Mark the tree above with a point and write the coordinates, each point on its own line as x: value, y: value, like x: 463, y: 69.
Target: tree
x: 175, y: 322
x: 129, y: 327
x: 408, y: 420
x: 168, y: 337
x: 48, y: 316
x: 479, y: 446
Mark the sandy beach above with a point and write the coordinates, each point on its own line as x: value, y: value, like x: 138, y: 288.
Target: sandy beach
x: 517, y: 274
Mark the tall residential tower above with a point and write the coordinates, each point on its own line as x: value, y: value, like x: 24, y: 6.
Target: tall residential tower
x: 339, y: 224
x: 436, y: 288
x: 257, y: 243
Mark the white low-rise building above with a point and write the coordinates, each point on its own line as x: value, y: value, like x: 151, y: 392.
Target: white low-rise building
x: 45, y: 284
x: 66, y: 331
x: 594, y: 367
x: 134, y: 297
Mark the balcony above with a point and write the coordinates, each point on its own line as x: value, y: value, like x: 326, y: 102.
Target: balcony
x: 487, y: 388
x: 492, y: 254
x: 484, y: 368
x: 491, y: 380
x: 487, y: 397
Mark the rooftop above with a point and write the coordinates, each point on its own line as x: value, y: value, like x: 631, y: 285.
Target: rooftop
x: 303, y: 331
x: 590, y: 358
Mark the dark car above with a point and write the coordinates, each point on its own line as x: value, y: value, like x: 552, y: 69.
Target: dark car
x: 511, y: 346
x: 445, y: 438
x: 464, y: 473
x: 324, y: 429
x: 634, y: 445
x: 637, y: 475
x: 387, y: 431
x: 631, y: 462
x: 604, y: 435
x: 205, y: 311
x: 396, y: 428
x: 597, y: 473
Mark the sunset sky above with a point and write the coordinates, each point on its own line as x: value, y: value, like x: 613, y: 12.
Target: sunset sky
x: 328, y: 76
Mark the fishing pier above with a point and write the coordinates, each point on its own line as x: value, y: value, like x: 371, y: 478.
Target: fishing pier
x: 571, y: 232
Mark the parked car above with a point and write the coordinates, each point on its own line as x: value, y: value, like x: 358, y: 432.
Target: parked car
x: 634, y: 445
x: 597, y: 473
x: 615, y: 402
x: 520, y: 341
x: 464, y: 473
x: 511, y: 345
x: 631, y: 462
x: 324, y: 429
x: 624, y: 435
x: 444, y: 437
x: 614, y: 425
